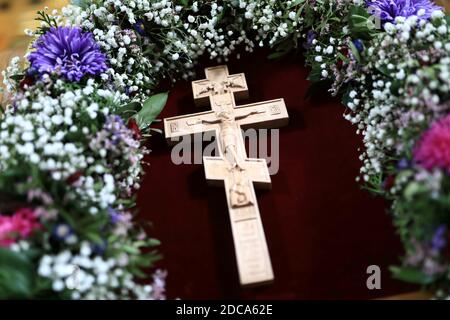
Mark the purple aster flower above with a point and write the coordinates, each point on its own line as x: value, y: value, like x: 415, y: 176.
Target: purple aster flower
x: 140, y: 27
x: 402, y: 164
x: 388, y: 10
x: 99, y: 248
x: 310, y: 36
x: 115, y: 137
x: 439, y: 242
x: 69, y: 52
x: 114, y: 215
x: 358, y: 45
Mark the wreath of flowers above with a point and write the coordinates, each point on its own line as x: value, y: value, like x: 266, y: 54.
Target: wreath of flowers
x: 83, y: 100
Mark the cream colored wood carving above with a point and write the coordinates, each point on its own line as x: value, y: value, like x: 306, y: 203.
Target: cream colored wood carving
x: 233, y: 168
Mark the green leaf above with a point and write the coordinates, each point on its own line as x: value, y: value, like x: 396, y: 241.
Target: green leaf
x: 130, y: 249
x: 346, y: 96
x: 411, y: 275
x: 67, y: 217
x: 342, y: 57
x: 153, y: 242
x: 295, y: 3
x: 404, y: 175
x: 94, y: 237
x: 315, y: 74
x: 80, y: 3
x: 138, y: 272
x: 151, y: 109
x: 358, y: 11
x: 16, y: 275
x: 360, y: 23
x: 17, y: 77
x: 277, y: 55
x: 354, y: 51
x: 128, y: 110
x: 413, y: 189
x: 396, y: 86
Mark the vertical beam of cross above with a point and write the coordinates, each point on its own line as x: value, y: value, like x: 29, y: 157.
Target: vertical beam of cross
x: 233, y: 168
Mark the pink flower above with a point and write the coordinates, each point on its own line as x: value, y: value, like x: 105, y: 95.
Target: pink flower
x: 18, y: 226
x: 433, y: 149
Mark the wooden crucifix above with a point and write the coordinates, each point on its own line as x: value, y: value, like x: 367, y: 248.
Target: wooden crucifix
x: 233, y: 168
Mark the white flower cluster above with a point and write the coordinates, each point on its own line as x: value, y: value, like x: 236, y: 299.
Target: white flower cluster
x: 13, y: 69
x: 122, y: 151
x: 53, y: 134
x: 386, y: 105
x: 148, y: 40
x: 102, y: 192
x: 325, y: 53
x: 39, y: 136
x: 89, y: 276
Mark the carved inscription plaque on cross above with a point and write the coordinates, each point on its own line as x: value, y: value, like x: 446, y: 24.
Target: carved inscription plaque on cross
x: 233, y: 169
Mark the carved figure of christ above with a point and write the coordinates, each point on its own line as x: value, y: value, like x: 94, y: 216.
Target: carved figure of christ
x: 232, y: 168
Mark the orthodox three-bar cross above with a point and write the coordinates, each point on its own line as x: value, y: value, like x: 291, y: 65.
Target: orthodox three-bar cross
x: 233, y: 168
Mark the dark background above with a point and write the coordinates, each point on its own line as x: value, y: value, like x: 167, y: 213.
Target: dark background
x: 322, y: 229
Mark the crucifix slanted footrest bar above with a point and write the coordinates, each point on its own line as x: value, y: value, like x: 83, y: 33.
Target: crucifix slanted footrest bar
x: 233, y: 168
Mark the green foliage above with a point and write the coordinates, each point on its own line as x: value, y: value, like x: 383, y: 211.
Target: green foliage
x: 151, y: 108
x: 295, y: 3
x: 361, y: 23
x: 411, y: 275
x: 355, y: 52
x: 185, y: 3
x: 80, y: 3
x: 129, y: 110
x: 16, y: 275
x: 48, y: 22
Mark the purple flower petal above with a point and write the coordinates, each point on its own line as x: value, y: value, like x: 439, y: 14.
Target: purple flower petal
x: 388, y: 10
x: 69, y: 52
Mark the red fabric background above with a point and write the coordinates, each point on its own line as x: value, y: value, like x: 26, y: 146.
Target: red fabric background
x: 322, y: 229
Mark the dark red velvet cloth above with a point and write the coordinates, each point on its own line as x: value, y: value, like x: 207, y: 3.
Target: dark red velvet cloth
x: 323, y: 231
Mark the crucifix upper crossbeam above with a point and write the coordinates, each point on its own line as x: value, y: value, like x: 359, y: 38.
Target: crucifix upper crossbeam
x: 219, y: 81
